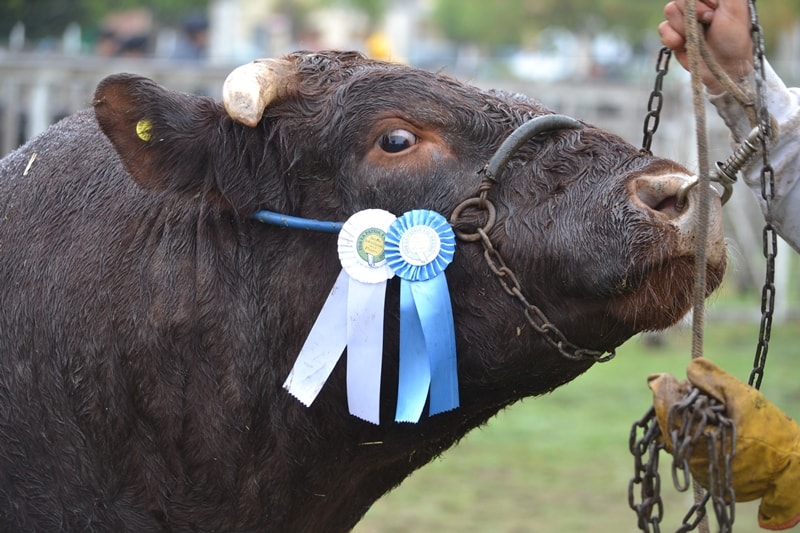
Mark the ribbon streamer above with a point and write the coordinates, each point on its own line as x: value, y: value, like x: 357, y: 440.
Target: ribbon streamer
x: 419, y: 246
x: 323, y: 346
x: 351, y: 317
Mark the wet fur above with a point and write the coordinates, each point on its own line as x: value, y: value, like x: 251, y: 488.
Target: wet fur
x: 148, y: 322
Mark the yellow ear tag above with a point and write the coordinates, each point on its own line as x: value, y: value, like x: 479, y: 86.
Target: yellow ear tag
x: 143, y: 128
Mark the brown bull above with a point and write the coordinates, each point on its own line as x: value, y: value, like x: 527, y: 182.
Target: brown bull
x: 149, y: 322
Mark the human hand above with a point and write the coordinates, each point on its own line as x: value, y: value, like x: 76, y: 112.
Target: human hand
x: 726, y: 27
x: 767, y: 460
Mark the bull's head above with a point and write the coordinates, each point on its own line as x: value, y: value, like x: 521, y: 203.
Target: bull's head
x: 594, y: 213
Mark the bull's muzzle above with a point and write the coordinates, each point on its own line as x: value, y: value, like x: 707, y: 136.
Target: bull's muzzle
x: 659, y: 196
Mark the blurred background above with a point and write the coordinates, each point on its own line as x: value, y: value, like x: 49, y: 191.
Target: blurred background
x: 590, y: 58
x: 558, y: 463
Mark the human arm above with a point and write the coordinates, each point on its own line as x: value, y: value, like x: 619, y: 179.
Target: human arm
x: 727, y: 32
x: 784, y: 106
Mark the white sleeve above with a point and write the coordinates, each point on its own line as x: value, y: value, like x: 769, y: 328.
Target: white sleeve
x: 784, y: 105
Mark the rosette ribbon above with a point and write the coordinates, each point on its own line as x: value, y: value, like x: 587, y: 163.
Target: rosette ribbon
x: 419, y: 246
x: 351, y: 317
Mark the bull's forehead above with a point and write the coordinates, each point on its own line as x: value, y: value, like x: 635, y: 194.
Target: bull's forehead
x: 513, y: 98
x: 334, y: 68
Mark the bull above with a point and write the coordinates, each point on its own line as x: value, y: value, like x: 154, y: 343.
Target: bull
x: 149, y: 322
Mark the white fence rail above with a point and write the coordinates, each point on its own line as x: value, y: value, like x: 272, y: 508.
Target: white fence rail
x: 37, y: 90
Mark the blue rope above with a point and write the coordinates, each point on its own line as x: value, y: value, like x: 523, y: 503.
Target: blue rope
x: 278, y: 219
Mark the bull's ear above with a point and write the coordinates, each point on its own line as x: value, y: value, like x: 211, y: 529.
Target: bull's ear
x: 161, y: 136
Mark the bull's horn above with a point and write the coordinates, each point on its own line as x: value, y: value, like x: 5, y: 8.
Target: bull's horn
x: 250, y: 88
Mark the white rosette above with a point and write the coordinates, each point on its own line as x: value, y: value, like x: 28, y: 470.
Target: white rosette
x: 351, y: 317
x: 361, y: 252
x: 361, y: 246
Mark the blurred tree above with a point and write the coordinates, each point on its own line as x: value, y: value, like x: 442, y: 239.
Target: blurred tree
x: 517, y: 22
x: 373, y: 9
x: 49, y: 18
x: 487, y: 24
x: 777, y: 17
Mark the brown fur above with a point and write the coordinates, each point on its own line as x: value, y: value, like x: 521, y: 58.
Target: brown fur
x: 148, y: 322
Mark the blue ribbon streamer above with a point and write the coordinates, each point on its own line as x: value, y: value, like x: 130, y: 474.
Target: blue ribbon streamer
x: 432, y: 300
x: 427, y: 333
x: 415, y: 370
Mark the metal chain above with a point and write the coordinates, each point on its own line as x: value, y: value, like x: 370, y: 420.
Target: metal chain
x: 510, y: 283
x: 702, y: 418
x: 656, y: 101
x: 769, y: 235
x: 723, y: 435
x: 697, y: 419
x: 645, y: 450
x: 535, y: 317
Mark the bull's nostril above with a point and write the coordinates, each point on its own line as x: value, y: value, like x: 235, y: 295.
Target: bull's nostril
x: 659, y: 194
x: 668, y: 204
x: 648, y: 197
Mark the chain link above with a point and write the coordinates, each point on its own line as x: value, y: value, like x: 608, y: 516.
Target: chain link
x: 645, y: 450
x: 535, y: 317
x: 698, y: 419
x: 656, y: 100
x: 703, y: 421
x: 508, y: 279
x: 769, y: 236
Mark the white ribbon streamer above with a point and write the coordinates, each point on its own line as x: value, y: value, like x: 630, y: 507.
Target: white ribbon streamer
x: 323, y: 346
x: 365, y: 302
x: 352, y: 316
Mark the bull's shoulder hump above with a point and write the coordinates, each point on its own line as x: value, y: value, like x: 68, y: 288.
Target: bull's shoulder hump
x: 71, y: 150
x: 74, y: 136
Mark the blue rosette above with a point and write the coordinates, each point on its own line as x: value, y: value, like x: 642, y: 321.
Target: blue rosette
x: 418, y: 247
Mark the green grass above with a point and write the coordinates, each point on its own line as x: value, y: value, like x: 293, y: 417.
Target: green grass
x: 561, y: 462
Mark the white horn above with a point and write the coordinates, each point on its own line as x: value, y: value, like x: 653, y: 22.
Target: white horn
x: 250, y: 88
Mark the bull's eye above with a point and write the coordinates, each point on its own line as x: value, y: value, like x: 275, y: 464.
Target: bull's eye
x: 396, y: 141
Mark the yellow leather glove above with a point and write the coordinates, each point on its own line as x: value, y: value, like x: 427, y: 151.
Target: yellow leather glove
x: 767, y: 460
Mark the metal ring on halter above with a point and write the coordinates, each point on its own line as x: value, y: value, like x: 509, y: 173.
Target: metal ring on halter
x: 478, y: 203
x: 720, y: 177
